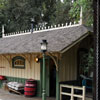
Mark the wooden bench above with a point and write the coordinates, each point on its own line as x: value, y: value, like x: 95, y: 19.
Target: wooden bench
x: 72, y: 94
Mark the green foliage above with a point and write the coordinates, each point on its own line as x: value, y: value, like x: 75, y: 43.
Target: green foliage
x: 56, y: 12
x: 61, y: 12
x: 48, y: 8
x: 87, y: 6
x: 2, y: 17
x: 87, y: 61
x: 16, y: 14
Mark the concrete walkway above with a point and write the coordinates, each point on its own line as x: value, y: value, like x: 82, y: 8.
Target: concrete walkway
x: 5, y: 95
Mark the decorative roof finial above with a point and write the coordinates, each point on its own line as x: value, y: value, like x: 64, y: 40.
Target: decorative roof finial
x: 81, y: 21
x: 3, y: 30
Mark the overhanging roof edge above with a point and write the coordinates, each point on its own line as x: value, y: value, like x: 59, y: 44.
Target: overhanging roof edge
x: 74, y: 43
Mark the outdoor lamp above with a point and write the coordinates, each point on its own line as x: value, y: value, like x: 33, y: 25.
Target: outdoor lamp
x: 32, y: 24
x: 44, y: 46
x: 32, y: 20
x: 44, y: 49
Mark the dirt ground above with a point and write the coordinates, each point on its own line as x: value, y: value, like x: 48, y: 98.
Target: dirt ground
x: 5, y: 95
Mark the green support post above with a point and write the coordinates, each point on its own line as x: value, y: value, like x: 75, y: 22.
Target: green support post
x: 44, y: 79
x: 57, y: 86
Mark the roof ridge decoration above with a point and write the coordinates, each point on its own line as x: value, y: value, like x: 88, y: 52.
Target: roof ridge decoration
x: 41, y: 29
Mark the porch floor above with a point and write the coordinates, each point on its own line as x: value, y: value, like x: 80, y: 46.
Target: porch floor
x: 5, y: 95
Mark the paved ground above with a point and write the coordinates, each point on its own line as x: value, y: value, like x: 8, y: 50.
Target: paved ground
x: 5, y: 95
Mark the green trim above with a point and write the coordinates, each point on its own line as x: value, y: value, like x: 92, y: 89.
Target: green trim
x: 41, y: 77
x: 44, y: 79
x: 48, y: 77
x: 57, y: 86
x: 1, y: 83
x: 16, y: 58
x: 22, y: 80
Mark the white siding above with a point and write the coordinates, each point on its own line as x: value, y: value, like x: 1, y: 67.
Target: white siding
x: 68, y: 65
x: 32, y: 69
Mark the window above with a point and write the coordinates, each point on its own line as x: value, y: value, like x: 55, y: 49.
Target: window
x: 18, y: 62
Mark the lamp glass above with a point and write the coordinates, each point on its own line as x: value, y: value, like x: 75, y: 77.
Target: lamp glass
x: 32, y: 20
x: 43, y: 46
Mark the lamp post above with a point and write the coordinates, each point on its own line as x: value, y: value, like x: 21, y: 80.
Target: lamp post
x: 44, y: 49
x: 32, y: 23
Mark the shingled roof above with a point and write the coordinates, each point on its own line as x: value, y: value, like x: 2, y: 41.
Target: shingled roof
x: 57, y: 39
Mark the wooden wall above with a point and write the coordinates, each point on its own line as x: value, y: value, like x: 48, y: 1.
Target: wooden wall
x: 32, y: 69
x: 68, y: 65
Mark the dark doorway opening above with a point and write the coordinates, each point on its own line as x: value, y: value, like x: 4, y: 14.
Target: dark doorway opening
x: 85, y: 72
x: 52, y: 79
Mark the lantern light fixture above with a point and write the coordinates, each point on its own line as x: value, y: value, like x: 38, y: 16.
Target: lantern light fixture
x: 36, y: 59
x: 32, y: 24
x: 44, y: 46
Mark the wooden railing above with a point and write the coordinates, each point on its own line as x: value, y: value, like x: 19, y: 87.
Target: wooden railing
x: 72, y: 94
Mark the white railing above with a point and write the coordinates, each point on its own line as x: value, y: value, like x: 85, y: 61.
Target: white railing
x: 72, y: 94
x: 40, y: 29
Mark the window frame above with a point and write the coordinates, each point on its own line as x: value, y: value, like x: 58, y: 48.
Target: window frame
x: 18, y: 58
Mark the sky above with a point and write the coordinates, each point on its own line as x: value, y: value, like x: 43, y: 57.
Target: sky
x: 62, y: 0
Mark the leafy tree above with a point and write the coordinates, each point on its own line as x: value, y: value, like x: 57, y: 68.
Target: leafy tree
x: 19, y: 12
x: 2, y: 16
x: 48, y: 8
x: 87, y: 6
x: 56, y: 12
x: 62, y: 12
x: 16, y: 14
